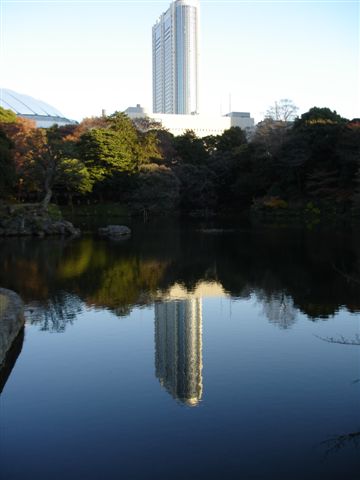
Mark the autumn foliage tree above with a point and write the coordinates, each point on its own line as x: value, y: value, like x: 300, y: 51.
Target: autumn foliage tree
x: 52, y: 165
x: 7, y: 166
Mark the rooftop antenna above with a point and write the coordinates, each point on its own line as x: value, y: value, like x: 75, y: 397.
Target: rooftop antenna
x: 229, y: 102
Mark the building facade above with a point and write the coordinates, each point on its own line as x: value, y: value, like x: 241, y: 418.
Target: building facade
x: 175, y: 49
x: 202, y: 125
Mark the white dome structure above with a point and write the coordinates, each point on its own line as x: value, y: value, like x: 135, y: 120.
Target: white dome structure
x: 25, y: 106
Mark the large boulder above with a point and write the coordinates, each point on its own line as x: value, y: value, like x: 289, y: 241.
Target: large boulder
x: 61, y: 227
x: 115, y: 231
x: 11, y: 320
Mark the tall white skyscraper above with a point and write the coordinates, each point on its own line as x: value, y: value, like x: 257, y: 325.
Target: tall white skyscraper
x: 176, y: 59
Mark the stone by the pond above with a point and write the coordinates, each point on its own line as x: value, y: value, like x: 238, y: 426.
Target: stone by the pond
x: 11, y: 320
x: 115, y: 231
x: 61, y: 227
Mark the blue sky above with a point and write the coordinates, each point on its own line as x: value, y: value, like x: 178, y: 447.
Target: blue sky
x: 82, y: 56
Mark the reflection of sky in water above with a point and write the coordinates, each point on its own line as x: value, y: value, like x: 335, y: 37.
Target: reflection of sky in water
x: 239, y: 337
x: 91, y: 393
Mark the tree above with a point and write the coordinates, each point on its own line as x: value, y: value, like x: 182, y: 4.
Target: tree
x: 166, y: 147
x: 75, y: 131
x: 116, y: 147
x: 320, y: 157
x: 231, y: 139
x: 319, y: 116
x: 322, y: 184
x: 190, y: 148
x: 210, y: 143
x: 146, y: 124
x: 42, y: 160
x: 197, y: 190
x: 225, y: 164
x: 19, y: 132
x: 256, y: 175
x: 7, y: 116
x: 46, y: 164
x: 283, y: 110
x: 7, y: 166
x: 270, y: 135
x: 156, y: 191
x: 105, y: 152
x: 148, y: 149
x: 73, y: 177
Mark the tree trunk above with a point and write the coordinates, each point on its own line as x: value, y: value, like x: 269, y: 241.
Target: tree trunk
x: 70, y: 202
x: 46, y: 200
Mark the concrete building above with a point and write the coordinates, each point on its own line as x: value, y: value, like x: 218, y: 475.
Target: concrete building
x: 175, y: 51
x: 202, y: 125
x: 43, y: 114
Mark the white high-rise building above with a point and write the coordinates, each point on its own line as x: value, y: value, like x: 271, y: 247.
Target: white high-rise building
x: 176, y: 59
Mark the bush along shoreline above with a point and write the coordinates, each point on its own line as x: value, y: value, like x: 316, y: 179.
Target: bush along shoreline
x: 34, y: 220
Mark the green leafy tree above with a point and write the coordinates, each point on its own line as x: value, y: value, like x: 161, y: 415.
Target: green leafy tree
x: 225, y: 164
x: 197, y: 189
x: 105, y: 152
x: 320, y: 158
x: 210, y: 143
x: 305, y: 152
x: 190, y: 149
x: 156, y: 190
x: 149, y: 148
x: 7, y: 116
x: 166, y: 146
x: 256, y: 175
x: 231, y: 139
x: 73, y: 177
x: 117, y: 147
x: 319, y: 116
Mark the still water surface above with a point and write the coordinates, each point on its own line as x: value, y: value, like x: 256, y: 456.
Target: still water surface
x: 184, y: 353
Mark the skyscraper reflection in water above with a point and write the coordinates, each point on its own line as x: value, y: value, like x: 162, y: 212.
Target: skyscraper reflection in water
x: 178, y: 348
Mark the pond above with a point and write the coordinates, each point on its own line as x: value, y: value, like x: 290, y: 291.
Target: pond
x: 184, y: 352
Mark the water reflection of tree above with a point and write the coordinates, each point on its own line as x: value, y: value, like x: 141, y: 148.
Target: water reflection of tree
x: 337, y: 442
x: 278, y: 308
x: 342, y: 340
x: 56, y: 313
x: 286, y: 271
x: 127, y: 283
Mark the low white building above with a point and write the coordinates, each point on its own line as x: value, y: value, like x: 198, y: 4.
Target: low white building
x: 202, y: 125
